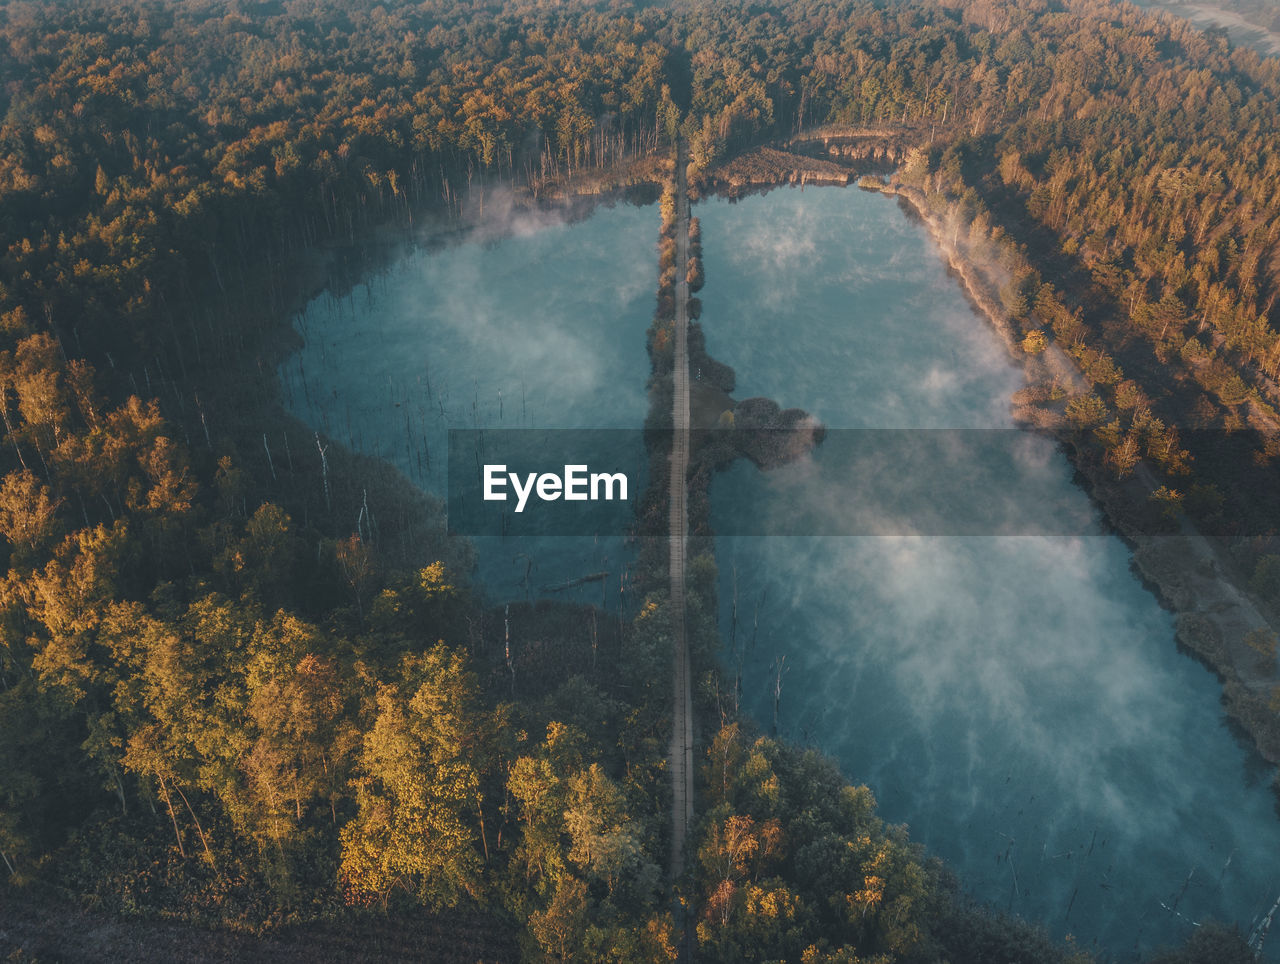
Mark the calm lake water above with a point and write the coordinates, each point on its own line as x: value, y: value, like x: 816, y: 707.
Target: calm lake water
x: 1019, y: 702
x: 532, y: 323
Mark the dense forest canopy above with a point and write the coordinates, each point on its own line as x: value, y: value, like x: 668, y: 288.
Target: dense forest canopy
x: 223, y: 696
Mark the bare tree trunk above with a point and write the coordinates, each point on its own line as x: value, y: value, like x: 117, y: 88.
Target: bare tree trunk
x: 484, y: 839
x: 115, y: 776
x: 777, y: 689
x: 168, y: 802
x: 200, y: 830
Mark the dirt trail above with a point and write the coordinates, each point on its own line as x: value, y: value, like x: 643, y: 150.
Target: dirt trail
x: 1244, y: 33
x: 678, y: 526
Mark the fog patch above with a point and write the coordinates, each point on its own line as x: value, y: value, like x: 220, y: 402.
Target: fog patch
x: 529, y: 321
x: 1018, y: 701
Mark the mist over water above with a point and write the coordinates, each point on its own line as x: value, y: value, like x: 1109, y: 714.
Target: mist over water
x: 528, y: 322
x: 1019, y: 702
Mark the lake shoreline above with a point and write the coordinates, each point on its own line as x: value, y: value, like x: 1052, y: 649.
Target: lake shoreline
x: 493, y: 209
x: 1186, y: 571
x: 710, y: 652
x: 337, y: 267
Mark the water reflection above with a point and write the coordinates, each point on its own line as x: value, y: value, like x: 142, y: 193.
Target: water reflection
x: 1018, y: 701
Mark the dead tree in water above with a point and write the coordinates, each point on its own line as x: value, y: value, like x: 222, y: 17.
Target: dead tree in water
x: 324, y: 468
x: 528, y: 566
x: 733, y: 615
x: 755, y: 622
x: 1259, y: 935
x: 506, y: 645
x: 778, y: 671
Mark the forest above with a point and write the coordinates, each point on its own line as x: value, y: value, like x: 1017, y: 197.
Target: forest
x: 230, y: 698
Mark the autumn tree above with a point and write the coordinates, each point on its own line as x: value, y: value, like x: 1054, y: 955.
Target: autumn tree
x: 420, y: 823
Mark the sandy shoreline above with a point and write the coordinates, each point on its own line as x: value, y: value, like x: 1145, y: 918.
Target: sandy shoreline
x: 1204, y: 16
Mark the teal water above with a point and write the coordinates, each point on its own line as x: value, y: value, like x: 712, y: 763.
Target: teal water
x: 1018, y: 702
x: 529, y: 322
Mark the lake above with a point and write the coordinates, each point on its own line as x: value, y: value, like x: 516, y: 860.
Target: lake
x: 532, y: 322
x: 1017, y: 701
